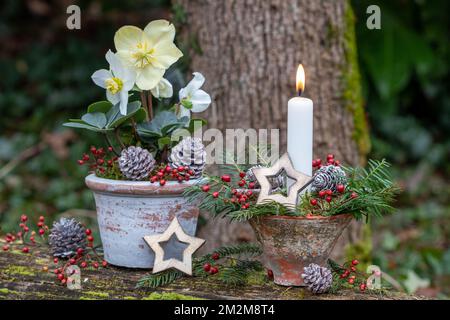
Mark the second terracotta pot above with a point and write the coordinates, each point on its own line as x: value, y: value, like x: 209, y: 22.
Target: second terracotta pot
x: 291, y: 243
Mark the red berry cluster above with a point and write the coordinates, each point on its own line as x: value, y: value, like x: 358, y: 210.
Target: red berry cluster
x: 26, y: 238
x: 212, y: 269
x: 83, y: 258
x: 317, y: 163
x: 165, y: 172
x: 352, y: 276
x: 99, y: 160
x: 241, y: 195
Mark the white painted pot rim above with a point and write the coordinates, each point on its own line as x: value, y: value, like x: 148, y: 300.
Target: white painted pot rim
x: 103, y: 185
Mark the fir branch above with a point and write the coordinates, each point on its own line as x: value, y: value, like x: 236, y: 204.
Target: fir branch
x: 159, y: 279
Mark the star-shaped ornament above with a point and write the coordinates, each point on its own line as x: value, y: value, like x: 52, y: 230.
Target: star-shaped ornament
x: 295, y: 181
x: 184, y: 265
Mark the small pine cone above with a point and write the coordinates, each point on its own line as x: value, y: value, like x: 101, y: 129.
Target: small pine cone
x: 136, y: 163
x: 189, y: 152
x: 327, y: 178
x: 66, y: 236
x: 277, y: 183
x: 318, y: 279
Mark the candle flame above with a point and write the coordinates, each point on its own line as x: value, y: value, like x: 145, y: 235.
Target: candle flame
x: 300, y: 83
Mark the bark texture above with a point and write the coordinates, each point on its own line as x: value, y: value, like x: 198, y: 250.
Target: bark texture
x: 249, y: 51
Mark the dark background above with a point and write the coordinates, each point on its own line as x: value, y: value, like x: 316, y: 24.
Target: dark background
x: 45, y: 74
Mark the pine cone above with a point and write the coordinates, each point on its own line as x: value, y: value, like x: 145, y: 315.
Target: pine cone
x: 189, y: 152
x: 136, y: 163
x: 317, y: 278
x: 327, y: 178
x: 277, y: 183
x: 66, y: 236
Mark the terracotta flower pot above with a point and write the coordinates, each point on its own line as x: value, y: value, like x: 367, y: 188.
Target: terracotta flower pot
x: 129, y: 210
x: 291, y: 243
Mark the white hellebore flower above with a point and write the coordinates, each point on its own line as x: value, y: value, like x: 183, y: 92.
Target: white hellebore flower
x: 149, y: 52
x: 163, y: 89
x: 117, y: 81
x: 192, y: 93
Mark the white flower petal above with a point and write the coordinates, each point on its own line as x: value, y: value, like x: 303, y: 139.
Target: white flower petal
x: 200, y: 101
x: 195, y: 83
x: 129, y: 79
x: 160, y: 30
x: 123, y: 102
x: 163, y: 89
x: 127, y: 38
x: 149, y: 77
x: 100, y: 76
x: 113, y: 98
x: 115, y: 64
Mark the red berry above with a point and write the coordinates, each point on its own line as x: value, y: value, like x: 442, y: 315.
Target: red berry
x: 41, y: 218
x: 55, y: 260
x: 60, y: 276
x: 57, y: 271
x: 226, y: 178
x: 241, y: 183
x: 249, y: 193
x: 63, y: 281
x: 40, y: 224
x: 191, y: 172
x: 337, y: 163
x: 340, y: 188
x: 322, y: 193
x: 242, y: 174
x: 213, y: 270
x: 110, y: 149
x: 330, y: 156
x: 354, y: 195
x: 25, y: 250
x: 355, y: 262
x: 330, y: 161
x: 180, y: 179
x: 168, y: 169
x: 23, y: 218
x: 215, y: 256
x: 88, y: 232
x: 313, y: 202
x: 110, y: 162
x: 5, y: 247
x: 160, y: 174
x: 95, y: 265
x: 104, y: 264
x: 41, y: 231
x: 351, y: 280
x: 329, y: 192
x: 154, y: 179
x: 90, y: 238
x: 180, y: 169
x: 206, y: 267
x: 270, y: 273
x: 93, y: 149
x: 205, y: 188
x: 80, y: 162
x: 80, y: 251
x: 72, y: 261
x: 215, y: 194
x: 328, y: 199
x: 251, y: 185
x: 314, y: 163
x: 26, y: 229
x: 83, y: 264
x: 319, y: 162
x: 100, y: 161
x: 362, y: 287
x: 162, y: 182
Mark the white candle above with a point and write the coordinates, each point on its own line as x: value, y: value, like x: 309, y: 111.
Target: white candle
x: 300, y: 128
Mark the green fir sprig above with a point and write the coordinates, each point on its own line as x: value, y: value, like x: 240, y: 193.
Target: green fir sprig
x: 235, y: 264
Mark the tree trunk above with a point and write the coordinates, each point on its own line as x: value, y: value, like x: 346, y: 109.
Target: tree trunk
x: 249, y: 51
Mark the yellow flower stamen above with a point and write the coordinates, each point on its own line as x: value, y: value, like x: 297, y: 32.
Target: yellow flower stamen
x: 143, y: 55
x: 113, y: 85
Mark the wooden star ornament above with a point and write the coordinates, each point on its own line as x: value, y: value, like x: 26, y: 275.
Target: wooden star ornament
x: 283, y: 164
x: 186, y: 264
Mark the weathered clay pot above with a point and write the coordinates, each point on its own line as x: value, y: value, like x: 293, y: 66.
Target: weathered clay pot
x: 291, y: 243
x: 129, y: 210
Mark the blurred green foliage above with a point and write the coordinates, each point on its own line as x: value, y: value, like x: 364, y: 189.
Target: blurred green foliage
x: 405, y: 71
x: 406, y: 82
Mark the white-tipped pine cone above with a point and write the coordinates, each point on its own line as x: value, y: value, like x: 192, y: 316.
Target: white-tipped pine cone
x: 189, y: 152
x: 136, y: 163
x: 318, y: 279
x: 277, y: 183
x: 327, y: 178
x: 66, y: 236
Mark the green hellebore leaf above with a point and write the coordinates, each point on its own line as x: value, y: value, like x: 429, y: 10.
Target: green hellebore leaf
x: 162, y: 125
x: 196, y: 124
x: 95, y: 119
x: 100, y: 106
x: 82, y: 125
x: 115, y: 118
x: 162, y: 142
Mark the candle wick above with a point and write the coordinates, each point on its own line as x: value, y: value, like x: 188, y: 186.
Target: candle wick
x: 299, y: 92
